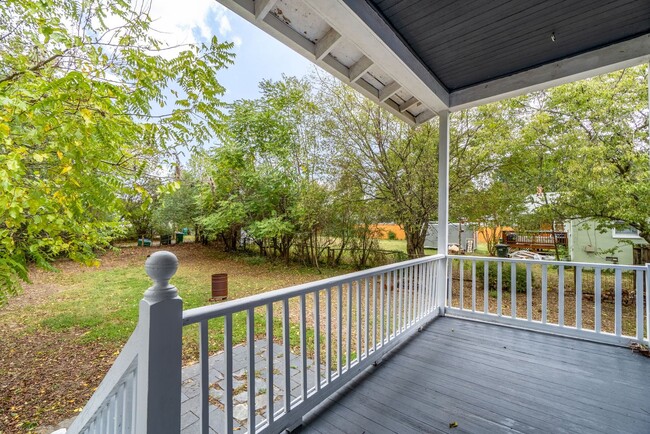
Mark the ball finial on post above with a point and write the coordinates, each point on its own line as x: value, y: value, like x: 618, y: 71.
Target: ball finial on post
x: 161, y: 267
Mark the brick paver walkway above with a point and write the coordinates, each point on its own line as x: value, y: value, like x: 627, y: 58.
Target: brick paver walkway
x: 190, y: 389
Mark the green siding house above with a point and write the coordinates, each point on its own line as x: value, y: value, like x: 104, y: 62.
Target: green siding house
x: 587, y: 243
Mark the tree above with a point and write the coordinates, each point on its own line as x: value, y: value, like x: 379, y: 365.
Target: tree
x: 604, y: 124
x: 397, y: 165
x: 588, y: 142
x: 79, y: 85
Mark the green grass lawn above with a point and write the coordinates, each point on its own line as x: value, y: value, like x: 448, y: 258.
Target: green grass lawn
x: 61, y: 335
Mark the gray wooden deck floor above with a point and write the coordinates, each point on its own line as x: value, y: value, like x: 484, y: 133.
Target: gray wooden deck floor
x: 488, y: 378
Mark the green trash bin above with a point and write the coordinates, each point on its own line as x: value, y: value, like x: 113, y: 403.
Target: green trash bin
x: 186, y: 231
x: 502, y: 250
x: 179, y: 237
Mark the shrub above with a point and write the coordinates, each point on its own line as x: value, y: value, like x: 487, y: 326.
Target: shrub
x: 505, y: 276
x: 392, y: 235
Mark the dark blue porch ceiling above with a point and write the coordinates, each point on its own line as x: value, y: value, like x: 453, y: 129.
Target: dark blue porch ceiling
x: 468, y: 42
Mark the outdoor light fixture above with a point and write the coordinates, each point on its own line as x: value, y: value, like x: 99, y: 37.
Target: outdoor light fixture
x: 553, y: 36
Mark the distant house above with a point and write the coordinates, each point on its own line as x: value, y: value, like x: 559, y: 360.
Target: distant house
x: 621, y: 246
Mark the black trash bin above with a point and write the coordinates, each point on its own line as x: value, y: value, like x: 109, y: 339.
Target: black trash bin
x: 502, y: 250
x: 165, y: 240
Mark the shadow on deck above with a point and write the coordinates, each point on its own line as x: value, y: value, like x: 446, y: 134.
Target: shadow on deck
x: 489, y: 378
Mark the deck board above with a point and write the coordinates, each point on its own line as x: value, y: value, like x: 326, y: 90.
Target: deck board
x: 490, y: 378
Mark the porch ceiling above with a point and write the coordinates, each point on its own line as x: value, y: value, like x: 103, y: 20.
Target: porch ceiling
x: 417, y: 57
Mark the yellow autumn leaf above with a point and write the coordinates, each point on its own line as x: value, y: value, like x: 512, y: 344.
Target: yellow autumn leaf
x: 59, y: 154
x: 4, y: 128
x: 66, y: 169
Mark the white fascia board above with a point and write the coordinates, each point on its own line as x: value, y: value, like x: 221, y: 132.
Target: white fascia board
x: 358, y: 22
x: 601, y: 61
x: 306, y: 48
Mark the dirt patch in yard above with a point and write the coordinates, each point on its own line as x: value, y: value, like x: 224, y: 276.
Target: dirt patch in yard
x: 46, y: 376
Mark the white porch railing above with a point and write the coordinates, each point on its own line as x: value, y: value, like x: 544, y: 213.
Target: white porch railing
x: 343, y: 325
x: 600, y: 302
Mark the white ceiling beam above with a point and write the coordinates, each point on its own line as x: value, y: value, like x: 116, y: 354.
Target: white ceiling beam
x: 263, y: 7
x: 601, y: 61
x: 389, y: 90
x: 424, y: 117
x: 357, y: 21
x: 327, y: 44
x: 412, y: 102
x: 362, y: 66
x: 295, y: 40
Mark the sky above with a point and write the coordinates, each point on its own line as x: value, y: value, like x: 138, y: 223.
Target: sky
x: 258, y: 55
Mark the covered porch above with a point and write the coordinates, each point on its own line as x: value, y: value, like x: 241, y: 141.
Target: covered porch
x: 430, y: 344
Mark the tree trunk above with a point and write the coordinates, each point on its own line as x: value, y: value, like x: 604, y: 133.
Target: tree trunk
x: 414, y: 241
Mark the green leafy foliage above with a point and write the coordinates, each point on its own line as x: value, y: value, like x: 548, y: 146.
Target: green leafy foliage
x: 81, y: 87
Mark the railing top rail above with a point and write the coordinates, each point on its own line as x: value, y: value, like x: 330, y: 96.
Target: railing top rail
x: 198, y: 314
x: 545, y: 262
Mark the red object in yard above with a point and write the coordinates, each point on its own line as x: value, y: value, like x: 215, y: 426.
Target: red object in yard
x: 219, y: 286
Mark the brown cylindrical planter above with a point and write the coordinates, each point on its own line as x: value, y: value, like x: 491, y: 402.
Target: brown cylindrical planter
x: 219, y: 286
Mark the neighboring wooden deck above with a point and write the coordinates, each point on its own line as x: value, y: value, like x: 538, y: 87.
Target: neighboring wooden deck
x: 489, y: 378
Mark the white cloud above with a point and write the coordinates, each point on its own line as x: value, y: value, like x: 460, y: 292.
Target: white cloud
x: 186, y: 22
x: 224, y: 25
x: 237, y: 40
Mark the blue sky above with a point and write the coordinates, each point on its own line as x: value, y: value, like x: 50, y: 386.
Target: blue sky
x: 258, y: 55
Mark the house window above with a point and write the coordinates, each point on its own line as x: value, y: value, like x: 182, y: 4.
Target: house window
x: 625, y: 232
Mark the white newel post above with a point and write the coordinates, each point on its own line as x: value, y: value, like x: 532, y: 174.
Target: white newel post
x: 158, y: 409
x: 443, y: 206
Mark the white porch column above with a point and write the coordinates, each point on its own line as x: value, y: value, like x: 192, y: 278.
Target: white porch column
x: 443, y: 205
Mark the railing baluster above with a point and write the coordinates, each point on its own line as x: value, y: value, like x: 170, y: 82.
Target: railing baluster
x: 578, y: 276
x: 486, y: 283
x: 339, y: 330
x: 409, y: 295
x: 250, y: 343
x: 269, y: 363
x: 618, y: 300
x: 389, y: 290
x: 381, y: 309
x: 119, y: 410
x: 647, y: 302
x: 348, y: 323
x: 560, y: 296
x: 639, y: 305
x: 420, y: 293
x: 544, y: 292
x: 597, y: 300
x: 499, y: 286
x: 227, y: 345
x: 473, y: 285
x: 359, y: 321
x: 529, y: 293
x: 317, y: 378
x: 407, y: 289
x: 513, y: 290
x: 374, y: 313
x: 400, y: 288
x: 449, y: 283
x: 287, y: 355
x: 461, y: 284
x: 205, y: 381
x: 303, y: 345
x: 328, y: 335
x: 367, y: 321
x: 395, y: 312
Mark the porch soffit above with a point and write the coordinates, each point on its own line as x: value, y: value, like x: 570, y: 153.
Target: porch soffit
x: 417, y: 57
